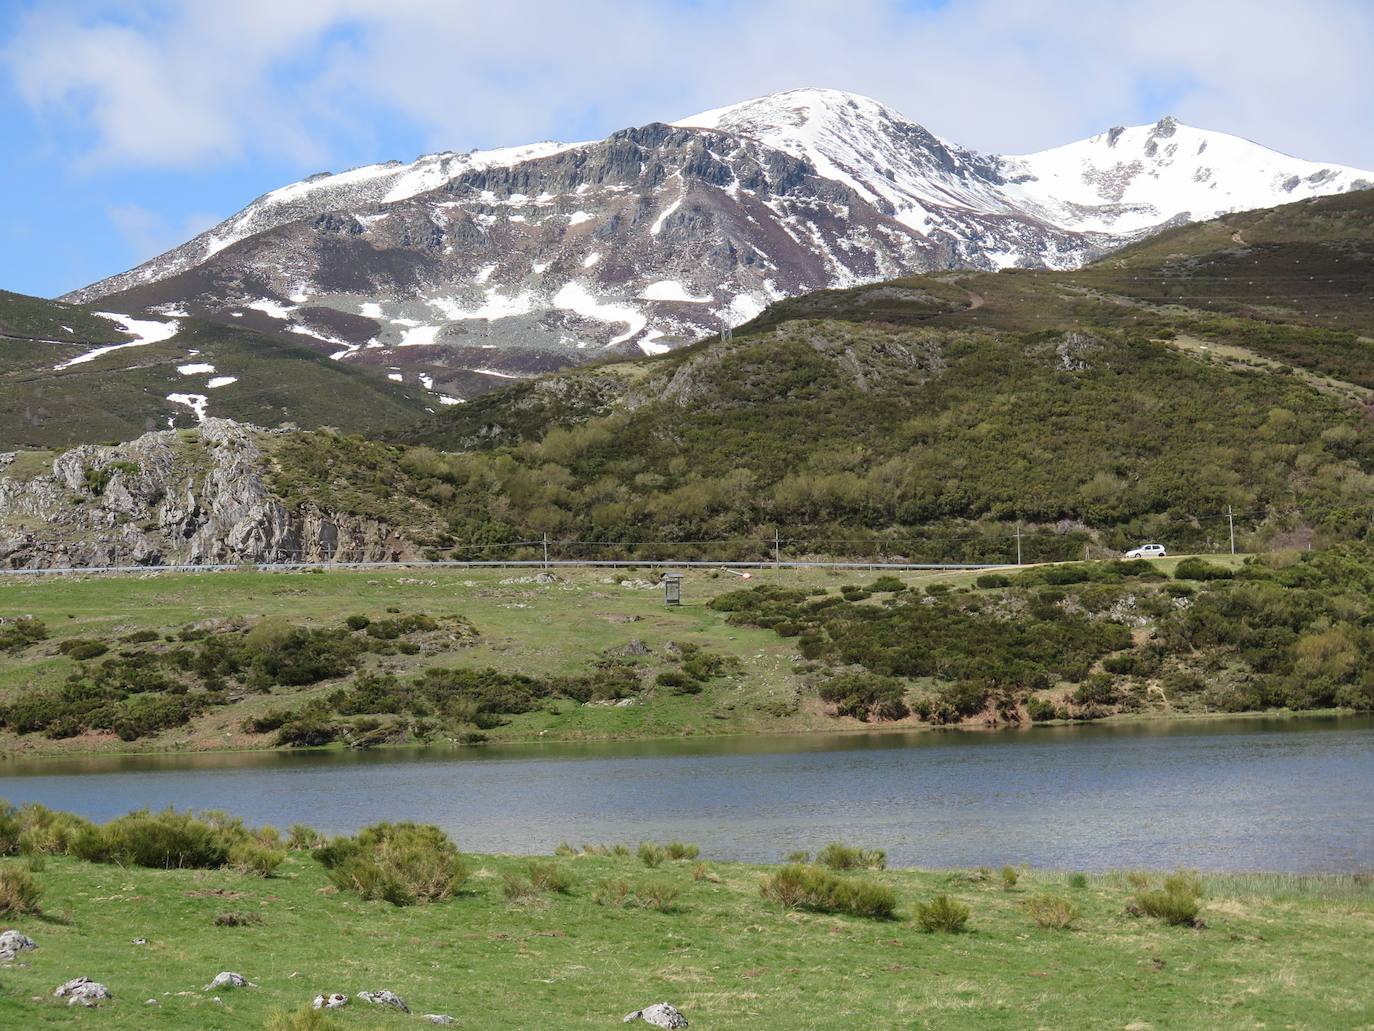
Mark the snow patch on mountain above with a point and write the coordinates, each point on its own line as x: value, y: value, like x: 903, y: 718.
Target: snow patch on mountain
x: 144, y: 331
x: 575, y: 297
x: 671, y: 290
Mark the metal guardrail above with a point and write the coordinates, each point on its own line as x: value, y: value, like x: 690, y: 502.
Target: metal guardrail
x: 269, y: 567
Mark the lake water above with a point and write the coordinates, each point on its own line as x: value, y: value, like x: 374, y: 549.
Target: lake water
x: 1285, y: 795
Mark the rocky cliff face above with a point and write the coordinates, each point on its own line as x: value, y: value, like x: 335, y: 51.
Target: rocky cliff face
x: 168, y: 498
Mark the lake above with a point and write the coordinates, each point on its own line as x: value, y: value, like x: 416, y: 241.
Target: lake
x: 1247, y: 794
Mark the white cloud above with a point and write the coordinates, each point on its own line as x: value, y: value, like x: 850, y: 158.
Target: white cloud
x: 177, y: 82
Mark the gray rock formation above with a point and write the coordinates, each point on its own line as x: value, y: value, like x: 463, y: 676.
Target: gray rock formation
x: 12, y: 943
x: 332, y: 1001
x: 385, y: 997
x: 227, y: 979
x: 166, y: 499
x: 660, y: 1014
x: 439, y: 1018
x: 82, y: 991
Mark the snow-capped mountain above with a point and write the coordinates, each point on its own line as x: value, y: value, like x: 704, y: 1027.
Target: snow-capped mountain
x: 459, y: 270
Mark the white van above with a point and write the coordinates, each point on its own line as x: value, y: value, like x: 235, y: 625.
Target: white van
x: 1147, y: 551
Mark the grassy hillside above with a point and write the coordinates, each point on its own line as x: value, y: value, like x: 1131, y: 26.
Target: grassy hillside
x: 123, y: 393
x: 1274, y: 951
x: 360, y: 659
x: 925, y: 417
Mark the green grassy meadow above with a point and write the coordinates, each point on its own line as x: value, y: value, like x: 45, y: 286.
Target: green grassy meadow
x: 1275, y: 952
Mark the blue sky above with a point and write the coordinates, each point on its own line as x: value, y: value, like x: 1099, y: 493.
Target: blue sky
x: 132, y: 125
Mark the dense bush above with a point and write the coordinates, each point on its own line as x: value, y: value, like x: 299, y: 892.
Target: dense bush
x: 20, y: 633
x: 19, y: 892
x: 811, y: 888
x: 1052, y: 912
x: 1177, y: 901
x: 839, y: 856
x: 942, y: 914
x: 400, y: 863
x: 866, y: 697
x: 1201, y: 569
x: 659, y: 896
x: 166, y: 840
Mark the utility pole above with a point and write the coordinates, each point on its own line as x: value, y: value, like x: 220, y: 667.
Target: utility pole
x: 1018, y: 542
x: 1231, y: 522
x: 777, y: 549
x: 546, y: 549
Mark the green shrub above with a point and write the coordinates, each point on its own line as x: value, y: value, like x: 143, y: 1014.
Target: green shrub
x: 886, y: 585
x: 252, y: 857
x: 20, y: 633
x: 1078, y: 881
x: 681, y: 683
x: 1052, y: 912
x: 652, y: 855
x: 811, y: 888
x: 656, y: 895
x: 991, y: 581
x: 401, y: 863
x: 942, y: 914
x: 1098, y: 689
x: 1201, y: 569
x: 357, y: 622
x: 81, y: 650
x: 681, y: 850
x: 44, y: 831
x: 1177, y: 901
x: 550, y: 877
x: 301, y: 837
x: 19, y: 892
x: 839, y: 856
x: 307, y: 730
x: 865, y: 696
x: 1010, y: 875
x: 1040, y: 710
x: 165, y: 840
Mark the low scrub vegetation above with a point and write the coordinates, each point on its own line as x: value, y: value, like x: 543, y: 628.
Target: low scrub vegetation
x: 1176, y: 901
x: 164, y: 840
x: 839, y: 856
x: 20, y: 893
x: 400, y: 863
x: 141, y: 687
x: 1088, y: 640
x: 660, y: 896
x: 797, y: 886
x: 1053, y: 912
x: 942, y: 914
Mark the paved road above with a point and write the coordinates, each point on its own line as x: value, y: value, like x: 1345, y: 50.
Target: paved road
x: 271, y: 567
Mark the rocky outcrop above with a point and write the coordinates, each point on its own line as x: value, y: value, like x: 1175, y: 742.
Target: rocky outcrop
x: 166, y: 499
x: 12, y: 943
x: 660, y: 1014
x: 82, y: 991
x: 385, y: 997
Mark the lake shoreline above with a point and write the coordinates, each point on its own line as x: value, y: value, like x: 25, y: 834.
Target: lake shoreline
x: 896, y: 728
